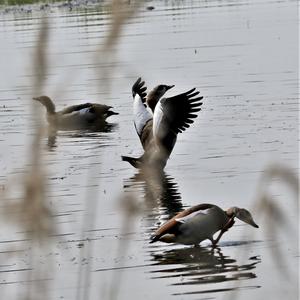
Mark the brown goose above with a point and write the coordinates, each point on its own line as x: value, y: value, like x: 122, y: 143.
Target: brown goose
x: 87, y: 115
x: 158, y: 120
x: 200, y: 222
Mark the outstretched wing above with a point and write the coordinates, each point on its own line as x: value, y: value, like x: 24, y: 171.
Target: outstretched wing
x: 172, y: 225
x: 176, y: 113
x: 141, y: 114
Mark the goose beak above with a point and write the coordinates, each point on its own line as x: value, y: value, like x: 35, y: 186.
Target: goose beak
x: 36, y: 98
x: 252, y: 223
x: 245, y: 216
x: 169, y: 86
x: 248, y: 220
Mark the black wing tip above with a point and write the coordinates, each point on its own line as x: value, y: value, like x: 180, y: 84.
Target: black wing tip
x: 193, y: 94
x: 190, y: 91
x: 140, y: 89
x: 195, y: 102
x: 112, y: 113
x: 138, y: 81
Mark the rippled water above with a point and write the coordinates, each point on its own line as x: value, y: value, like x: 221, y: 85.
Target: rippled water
x: 243, y: 57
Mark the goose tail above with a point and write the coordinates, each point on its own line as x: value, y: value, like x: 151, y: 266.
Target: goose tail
x: 111, y: 113
x: 135, y: 162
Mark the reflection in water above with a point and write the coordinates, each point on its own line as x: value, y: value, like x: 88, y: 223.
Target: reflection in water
x: 250, y: 119
x: 198, y: 265
x: 90, y: 133
x: 188, y: 266
x: 160, y: 190
x: 204, y: 268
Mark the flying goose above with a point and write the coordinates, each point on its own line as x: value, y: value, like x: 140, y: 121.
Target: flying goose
x: 158, y: 120
x: 200, y: 222
x: 87, y: 115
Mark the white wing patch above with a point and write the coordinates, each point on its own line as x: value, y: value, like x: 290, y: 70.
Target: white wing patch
x: 158, y: 115
x: 79, y: 115
x: 141, y: 114
x: 84, y: 111
x: 192, y: 215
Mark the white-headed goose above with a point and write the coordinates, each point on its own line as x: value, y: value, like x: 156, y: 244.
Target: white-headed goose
x: 158, y: 120
x: 200, y: 222
x: 87, y: 115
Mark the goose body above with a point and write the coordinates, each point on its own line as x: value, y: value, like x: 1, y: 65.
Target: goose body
x: 81, y: 116
x: 158, y: 121
x: 200, y: 222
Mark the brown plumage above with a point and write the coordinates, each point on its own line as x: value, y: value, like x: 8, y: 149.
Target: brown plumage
x: 81, y: 116
x: 158, y: 121
x: 199, y: 223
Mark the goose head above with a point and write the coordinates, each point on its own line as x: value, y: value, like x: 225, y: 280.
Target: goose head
x: 156, y: 94
x: 47, y: 102
x: 242, y: 214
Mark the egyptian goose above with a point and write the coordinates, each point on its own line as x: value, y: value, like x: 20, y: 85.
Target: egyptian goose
x: 158, y: 120
x: 200, y: 222
x: 87, y: 115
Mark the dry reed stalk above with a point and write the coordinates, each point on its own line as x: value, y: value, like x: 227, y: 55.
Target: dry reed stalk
x: 274, y: 218
x: 130, y: 209
x: 121, y: 12
x: 35, y: 197
x: 30, y: 212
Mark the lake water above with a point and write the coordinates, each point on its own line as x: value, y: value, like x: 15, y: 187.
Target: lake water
x: 243, y: 57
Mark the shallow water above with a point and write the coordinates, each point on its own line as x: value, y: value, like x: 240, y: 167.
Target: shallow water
x: 243, y: 57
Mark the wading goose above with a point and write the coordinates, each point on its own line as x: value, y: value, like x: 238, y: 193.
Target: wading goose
x: 87, y: 115
x: 158, y: 120
x: 200, y: 222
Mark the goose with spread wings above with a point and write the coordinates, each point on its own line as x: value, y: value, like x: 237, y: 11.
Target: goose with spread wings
x: 158, y: 121
x: 79, y: 116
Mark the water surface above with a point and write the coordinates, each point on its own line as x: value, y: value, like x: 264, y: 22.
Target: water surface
x: 243, y: 57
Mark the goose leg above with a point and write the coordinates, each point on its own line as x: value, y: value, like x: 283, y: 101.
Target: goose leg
x: 228, y: 225
x: 215, y: 242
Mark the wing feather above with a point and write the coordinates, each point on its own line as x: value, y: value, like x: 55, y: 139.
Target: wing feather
x: 172, y: 225
x: 141, y: 114
x: 140, y: 89
x: 86, y: 107
x: 175, y: 114
x: 191, y: 215
x: 74, y: 108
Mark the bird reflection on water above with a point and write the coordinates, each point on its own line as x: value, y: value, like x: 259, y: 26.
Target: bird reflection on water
x: 159, y: 191
x: 90, y: 133
x: 201, y: 266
